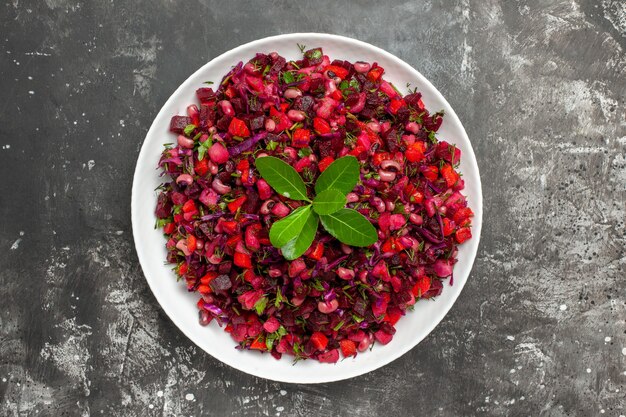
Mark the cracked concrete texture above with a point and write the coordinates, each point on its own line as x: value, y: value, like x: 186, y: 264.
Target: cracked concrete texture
x: 540, y: 328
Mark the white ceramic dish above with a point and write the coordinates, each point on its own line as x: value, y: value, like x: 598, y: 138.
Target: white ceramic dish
x: 180, y: 305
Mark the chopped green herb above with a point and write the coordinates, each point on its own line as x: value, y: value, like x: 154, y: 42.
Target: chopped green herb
x: 162, y: 222
x: 288, y: 77
x: 305, y: 152
x: 271, y: 145
x: 279, y: 298
x: 203, y: 147
x: 317, y: 285
x: 189, y: 129
x: 356, y: 318
x: 269, y: 341
x: 260, y: 305
x: 339, y: 325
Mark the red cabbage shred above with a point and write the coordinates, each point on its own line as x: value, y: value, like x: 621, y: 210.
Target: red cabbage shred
x: 335, y: 301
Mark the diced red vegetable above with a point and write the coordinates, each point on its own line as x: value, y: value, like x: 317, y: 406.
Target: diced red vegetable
x: 348, y: 347
x: 301, y: 138
x: 319, y: 340
x: 238, y: 127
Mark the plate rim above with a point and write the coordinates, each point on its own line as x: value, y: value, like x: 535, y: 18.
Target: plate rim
x: 470, y: 157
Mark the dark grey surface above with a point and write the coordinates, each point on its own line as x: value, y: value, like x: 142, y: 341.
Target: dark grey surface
x: 540, y: 327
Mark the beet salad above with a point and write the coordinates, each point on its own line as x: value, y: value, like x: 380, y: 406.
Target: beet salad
x: 310, y: 205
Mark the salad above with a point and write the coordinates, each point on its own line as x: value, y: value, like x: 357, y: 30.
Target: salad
x: 310, y: 205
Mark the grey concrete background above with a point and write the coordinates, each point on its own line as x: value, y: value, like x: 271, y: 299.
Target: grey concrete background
x: 540, y: 328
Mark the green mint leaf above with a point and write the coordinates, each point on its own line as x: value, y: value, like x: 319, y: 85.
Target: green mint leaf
x: 189, y: 129
x: 298, y: 245
x: 350, y: 227
x: 290, y: 227
x: 329, y: 201
x: 342, y: 175
x: 282, y: 177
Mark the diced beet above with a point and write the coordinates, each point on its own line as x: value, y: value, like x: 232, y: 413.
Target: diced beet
x: 382, y: 337
x: 391, y: 140
x: 413, y: 100
x: 256, y: 123
x: 317, y: 86
x: 225, y: 267
x: 164, y: 206
x: 223, y: 123
x: 278, y: 64
x: 178, y: 123
x: 360, y: 306
x: 205, y: 95
x: 252, y: 203
x: 221, y: 283
x: 332, y: 356
x: 207, y: 117
x: 368, y: 113
x: 337, y: 143
x: 434, y: 122
x: 238, y: 105
x: 325, y: 148
x: 403, y: 114
x: 304, y: 103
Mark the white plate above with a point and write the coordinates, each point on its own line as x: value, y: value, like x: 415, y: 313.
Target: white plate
x: 180, y: 305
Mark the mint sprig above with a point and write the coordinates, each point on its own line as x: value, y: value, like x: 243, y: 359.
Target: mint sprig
x: 329, y: 201
x: 342, y: 175
x: 282, y: 177
x: 294, y: 234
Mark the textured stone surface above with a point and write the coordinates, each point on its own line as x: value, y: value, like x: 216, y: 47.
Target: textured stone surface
x: 540, y: 328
